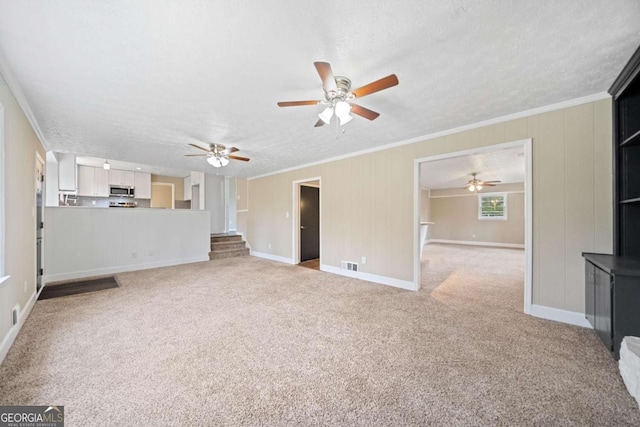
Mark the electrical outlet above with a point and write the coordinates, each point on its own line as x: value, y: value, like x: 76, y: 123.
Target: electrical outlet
x: 25, y: 286
x: 473, y: 236
x: 286, y: 215
x: 134, y: 255
x: 364, y: 260
x: 93, y: 202
x: 269, y: 245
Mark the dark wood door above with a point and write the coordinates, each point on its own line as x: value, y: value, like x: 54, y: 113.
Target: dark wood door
x: 309, y: 223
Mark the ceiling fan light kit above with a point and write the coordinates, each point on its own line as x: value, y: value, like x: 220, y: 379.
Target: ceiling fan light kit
x: 476, y: 184
x: 218, y: 155
x: 338, y: 96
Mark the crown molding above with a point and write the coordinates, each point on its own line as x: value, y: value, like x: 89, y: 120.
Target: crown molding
x: 14, y: 87
x: 527, y: 113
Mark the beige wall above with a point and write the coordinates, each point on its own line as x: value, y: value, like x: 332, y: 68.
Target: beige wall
x: 456, y: 218
x: 242, y: 193
x: 425, y: 205
x: 178, y: 184
x: 242, y: 206
x: 161, y: 196
x: 20, y: 147
x: 367, y: 201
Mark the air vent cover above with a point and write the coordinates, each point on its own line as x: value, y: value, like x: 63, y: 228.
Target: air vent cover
x: 348, y: 265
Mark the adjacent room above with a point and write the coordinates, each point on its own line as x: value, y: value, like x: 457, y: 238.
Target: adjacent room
x: 329, y: 213
x: 472, y: 223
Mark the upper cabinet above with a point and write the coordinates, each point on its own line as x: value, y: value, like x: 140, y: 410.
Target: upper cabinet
x: 66, y: 172
x: 93, y: 182
x: 626, y: 139
x: 142, y: 184
x: 120, y: 177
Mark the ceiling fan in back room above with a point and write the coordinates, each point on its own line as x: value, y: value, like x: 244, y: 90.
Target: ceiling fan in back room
x: 339, y: 98
x: 218, y: 155
x: 476, y: 184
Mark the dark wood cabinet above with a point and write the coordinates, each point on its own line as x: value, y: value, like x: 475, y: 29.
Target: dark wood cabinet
x: 612, y: 288
x: 626, y: 154
x: 612, y: 297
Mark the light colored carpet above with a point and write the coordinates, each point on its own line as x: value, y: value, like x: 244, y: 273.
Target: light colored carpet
x: 247, y: 341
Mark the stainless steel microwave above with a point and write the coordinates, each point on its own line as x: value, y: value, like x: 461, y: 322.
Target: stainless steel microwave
x: 121, y: 191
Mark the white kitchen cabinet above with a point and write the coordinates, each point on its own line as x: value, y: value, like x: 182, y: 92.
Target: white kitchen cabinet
x: 115, y: 177
x: 142, y: 184
x: 187, y: 187
x: 92, y: 182
x: 101, y: 182
x: 120, y: 177
x: 67, y: 172
x: 197, y: 178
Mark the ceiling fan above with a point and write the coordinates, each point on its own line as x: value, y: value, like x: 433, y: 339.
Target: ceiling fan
x: 218, y: 155
x: 476, y: 184
x: 338, y: 96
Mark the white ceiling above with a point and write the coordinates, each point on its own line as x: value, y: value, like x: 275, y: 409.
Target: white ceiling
x: 128, y: 166
x: 138, y: 80
x: 506, y: 166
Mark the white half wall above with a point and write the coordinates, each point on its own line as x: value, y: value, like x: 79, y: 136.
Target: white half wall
x: 84, y: 241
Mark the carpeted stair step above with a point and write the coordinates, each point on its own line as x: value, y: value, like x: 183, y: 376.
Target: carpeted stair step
x: 228, y: 253
x: 225, y: 238
x: 225, y: 245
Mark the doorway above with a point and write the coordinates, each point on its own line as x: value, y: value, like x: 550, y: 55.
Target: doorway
x: 162, y: 195
x: 525, y: 147
x: 307, y: 222
x: 39, y: 186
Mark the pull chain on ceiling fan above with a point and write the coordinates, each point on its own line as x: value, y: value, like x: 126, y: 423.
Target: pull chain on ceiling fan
x: 338, y: 96
x: 218, y: 155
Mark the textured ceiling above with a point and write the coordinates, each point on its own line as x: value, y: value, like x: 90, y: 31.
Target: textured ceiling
x: 138, y: 80
x: 506, y: 166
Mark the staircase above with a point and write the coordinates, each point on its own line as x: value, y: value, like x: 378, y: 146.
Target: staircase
x: 227, y: 246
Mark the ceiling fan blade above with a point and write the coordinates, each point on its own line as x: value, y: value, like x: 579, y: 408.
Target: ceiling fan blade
x: 490, y: 182
x: 378, y: 85
x: 200, y: 148
x: 296, y: 103
x: 326, y: 74
x: 244, y: 159
x: 319, y: 123
x: 364, y: 112
x: 231, y: 150
x: 195, y: 155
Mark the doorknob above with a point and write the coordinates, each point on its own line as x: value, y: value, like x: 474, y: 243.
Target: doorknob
x: 302, y: 227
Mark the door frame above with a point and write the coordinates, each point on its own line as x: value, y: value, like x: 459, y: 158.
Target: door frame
x: 295, y: 223
x: 528, y: 208
x: 43, y: 195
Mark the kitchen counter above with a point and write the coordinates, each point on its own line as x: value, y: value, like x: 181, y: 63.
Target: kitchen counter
x: 88, y: 241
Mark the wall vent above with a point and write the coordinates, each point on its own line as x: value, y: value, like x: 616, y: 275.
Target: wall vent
x: 348, y: 265
x: 15, y: 314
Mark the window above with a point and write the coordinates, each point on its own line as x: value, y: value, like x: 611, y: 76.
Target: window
x: 492, y: 206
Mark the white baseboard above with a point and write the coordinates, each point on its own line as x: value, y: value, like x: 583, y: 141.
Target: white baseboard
x: 389, y: 281
x: 558, y: 315
x: 475, y: 243
x: 8, y: 340
x: 272, y: 257
x: 120, y: 269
